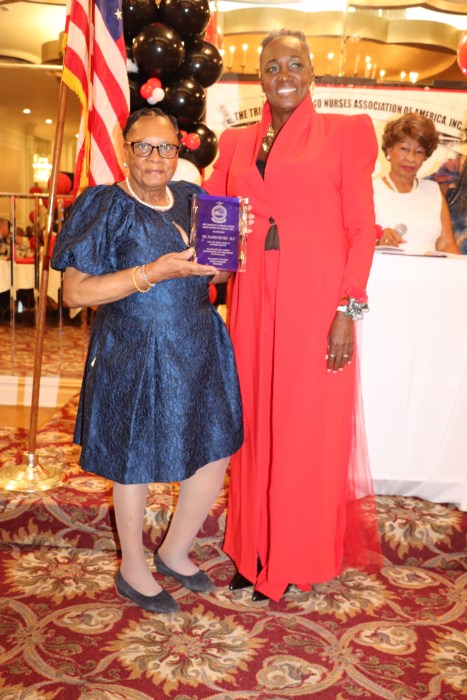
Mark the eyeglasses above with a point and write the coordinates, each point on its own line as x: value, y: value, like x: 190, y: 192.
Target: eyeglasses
x: 142, y: 149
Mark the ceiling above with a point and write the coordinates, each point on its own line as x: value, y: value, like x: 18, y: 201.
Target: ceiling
x: 30, y: 30
x: 24, y: 28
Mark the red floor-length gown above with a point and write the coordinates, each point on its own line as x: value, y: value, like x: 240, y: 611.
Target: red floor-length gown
x: 293, y: 483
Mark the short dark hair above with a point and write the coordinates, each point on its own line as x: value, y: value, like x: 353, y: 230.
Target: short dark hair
x: 414, y: 126
x: 278, y: 33
x: 148, y: 112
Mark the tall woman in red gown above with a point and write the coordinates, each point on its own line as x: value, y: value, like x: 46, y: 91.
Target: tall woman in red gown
x: 293, y: 508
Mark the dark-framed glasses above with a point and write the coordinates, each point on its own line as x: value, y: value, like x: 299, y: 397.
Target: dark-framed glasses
x: 143, y: 149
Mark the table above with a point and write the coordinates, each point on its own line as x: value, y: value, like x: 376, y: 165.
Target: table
x: 414, y: 376
x: 24, y: 277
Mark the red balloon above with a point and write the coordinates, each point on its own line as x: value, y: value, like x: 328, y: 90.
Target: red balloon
x: 462, y: 53
x: 32, y: 216
x: 154, y: 83
x: 145, y: 91
x: 192, y: 141
x: 35, y: 189
x: 212, y: 293
x: 64, y: 183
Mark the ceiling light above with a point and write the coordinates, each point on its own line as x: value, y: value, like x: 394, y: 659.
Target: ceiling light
x: 48, y: 121
x: 26, y: 111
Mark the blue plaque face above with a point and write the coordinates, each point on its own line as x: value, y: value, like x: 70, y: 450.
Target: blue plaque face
x: 218, y: 231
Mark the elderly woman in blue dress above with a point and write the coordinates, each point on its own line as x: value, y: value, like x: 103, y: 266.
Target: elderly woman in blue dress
x: 160, y: 399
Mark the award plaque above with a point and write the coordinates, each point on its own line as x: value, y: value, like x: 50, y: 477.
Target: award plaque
x: 218, y: 231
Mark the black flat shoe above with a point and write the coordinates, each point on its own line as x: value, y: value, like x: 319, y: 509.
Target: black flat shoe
x: 238, y: 582
x: 199, y: 582
x: 160, y: 603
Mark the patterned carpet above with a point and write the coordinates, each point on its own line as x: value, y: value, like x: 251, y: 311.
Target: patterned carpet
x: 64, y: 349
x: 66, y: 634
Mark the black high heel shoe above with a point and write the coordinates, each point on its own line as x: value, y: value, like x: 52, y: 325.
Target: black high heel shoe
x: 238, y: 582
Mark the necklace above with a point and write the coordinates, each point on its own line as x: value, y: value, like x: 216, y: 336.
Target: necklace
x: 156, y: 207
x: 269, y: 138
x: 394, y: 188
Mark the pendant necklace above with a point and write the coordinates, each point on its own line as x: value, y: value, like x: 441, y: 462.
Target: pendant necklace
x: 269, y: 138
x: 394, y: 188
x: 156, y: 207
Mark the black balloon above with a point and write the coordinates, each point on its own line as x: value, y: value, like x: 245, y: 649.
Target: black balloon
x: 189, y: 17
x: 136, y: 15
x: 158, y: 50
x: 206, y: 152
x: 185, y: 100
x: 136, y: 101
x: 203, y: 62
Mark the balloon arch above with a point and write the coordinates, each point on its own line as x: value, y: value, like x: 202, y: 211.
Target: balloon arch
x: 170, y: 63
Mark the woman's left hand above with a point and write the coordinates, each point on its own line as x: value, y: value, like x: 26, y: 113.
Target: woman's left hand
x: 340, y: 342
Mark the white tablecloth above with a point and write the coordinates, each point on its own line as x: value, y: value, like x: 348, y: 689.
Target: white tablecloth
x: 414, y: 376
x: 23, y: 275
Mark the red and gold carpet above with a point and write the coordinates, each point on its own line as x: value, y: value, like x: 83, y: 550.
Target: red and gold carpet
x: 65, y: 634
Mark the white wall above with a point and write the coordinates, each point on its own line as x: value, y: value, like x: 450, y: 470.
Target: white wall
x: 17, y: 147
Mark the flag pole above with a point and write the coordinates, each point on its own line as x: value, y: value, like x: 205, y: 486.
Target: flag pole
x: 30, y: 476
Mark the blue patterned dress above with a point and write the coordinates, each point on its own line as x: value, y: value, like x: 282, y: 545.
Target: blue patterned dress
x: 160, y: 395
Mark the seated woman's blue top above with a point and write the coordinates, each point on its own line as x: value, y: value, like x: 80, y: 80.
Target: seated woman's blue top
x: 160, y: 395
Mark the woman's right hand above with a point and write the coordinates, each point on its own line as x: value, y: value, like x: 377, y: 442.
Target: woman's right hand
x: 174, y: 265
x: 81, y: 289
x: 390, y: 237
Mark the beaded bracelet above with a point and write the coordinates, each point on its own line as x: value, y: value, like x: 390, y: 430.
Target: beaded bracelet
x: 135, y: 283
x: 145, y: 277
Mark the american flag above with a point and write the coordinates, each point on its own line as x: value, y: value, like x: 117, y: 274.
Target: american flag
x: 95, y: 68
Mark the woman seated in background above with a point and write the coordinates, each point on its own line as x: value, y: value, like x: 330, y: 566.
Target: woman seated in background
x: 411, y: 214
x: 452, y: 178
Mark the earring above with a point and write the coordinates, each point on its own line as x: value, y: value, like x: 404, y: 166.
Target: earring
x: 388, y: 156
x: 125, y: 165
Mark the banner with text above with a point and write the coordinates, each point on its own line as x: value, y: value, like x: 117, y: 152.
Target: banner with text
x: 238, y: 104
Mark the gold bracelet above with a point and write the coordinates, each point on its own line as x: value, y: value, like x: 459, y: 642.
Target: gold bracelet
x: 135, y: 283
x: 145, y: 277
